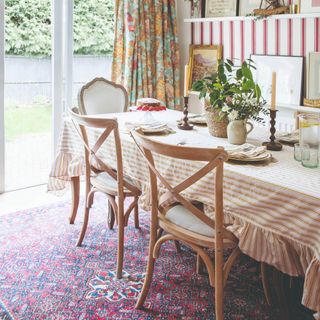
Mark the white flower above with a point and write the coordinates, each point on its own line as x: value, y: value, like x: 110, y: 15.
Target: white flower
x: 225, y: 108
x: 233, y: 115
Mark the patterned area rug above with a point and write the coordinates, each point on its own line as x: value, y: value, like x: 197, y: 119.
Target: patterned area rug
x: 43, y: 275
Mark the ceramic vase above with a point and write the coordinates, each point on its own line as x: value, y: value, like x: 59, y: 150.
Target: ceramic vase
x: 238, y: 131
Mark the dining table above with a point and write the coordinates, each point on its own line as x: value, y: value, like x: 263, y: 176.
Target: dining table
x: 272, y: 206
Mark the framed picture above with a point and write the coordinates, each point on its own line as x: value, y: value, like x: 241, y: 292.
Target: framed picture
x: 197, y: 8
x: 309, y: 6
x: 203, y: 61
x: 221, y: 8
x: 247, y: 6
x: 289, y: 78
x: 313, y: 88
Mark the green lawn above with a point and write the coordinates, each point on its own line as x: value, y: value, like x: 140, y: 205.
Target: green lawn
x: 24, y: 120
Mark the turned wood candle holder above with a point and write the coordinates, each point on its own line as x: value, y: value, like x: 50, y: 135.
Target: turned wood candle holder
x: 272, y: 144
x: 185, y: 121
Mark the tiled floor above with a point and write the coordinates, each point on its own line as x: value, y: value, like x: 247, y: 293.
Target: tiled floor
x: 28, y: 198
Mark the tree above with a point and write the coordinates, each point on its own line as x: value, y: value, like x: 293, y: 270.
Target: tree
x: 28, y: 27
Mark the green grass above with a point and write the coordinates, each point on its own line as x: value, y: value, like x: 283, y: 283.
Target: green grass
x: 28, y: 119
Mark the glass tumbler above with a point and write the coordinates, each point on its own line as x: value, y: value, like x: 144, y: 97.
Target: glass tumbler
x: 309, y: 157
x: 309, y: 128
x: 301, y: 150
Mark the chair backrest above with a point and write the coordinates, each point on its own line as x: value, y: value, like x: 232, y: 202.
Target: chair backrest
x: 213, y: 160
x: 92, y: 160
x: 102, y: 96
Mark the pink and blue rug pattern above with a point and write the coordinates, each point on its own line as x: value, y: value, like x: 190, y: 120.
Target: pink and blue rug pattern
x: 43, y: 275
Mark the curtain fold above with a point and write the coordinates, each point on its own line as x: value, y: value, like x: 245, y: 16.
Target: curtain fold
x: 146, y: 51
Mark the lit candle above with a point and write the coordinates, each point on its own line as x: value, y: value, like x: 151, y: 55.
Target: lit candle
x: 273, y: 89
x: 186, y: 82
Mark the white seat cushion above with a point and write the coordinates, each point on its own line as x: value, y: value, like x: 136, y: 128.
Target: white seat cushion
x: 182, y: 217
x: 104, y: 182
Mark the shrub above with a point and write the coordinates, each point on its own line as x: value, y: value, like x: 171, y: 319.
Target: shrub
x: 28, y: 27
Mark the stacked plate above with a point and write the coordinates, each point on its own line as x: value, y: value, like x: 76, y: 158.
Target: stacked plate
x: 290, y: 138
x: 248, y: 153
x: 150, y: 128
x: 197, y: 119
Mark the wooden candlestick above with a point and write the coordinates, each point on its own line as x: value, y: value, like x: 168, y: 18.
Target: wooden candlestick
x: 185, y: 121
x: 272, y: 144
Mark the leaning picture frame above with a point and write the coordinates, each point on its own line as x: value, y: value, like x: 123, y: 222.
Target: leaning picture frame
x: 221, y: 8
x: 246, y: 7
x: 313, y: 82
x: 203, y: 61
x: 309, y: 6
x: 289, y: 70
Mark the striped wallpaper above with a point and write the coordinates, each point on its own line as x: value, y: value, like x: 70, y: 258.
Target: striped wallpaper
x: 293, y: 37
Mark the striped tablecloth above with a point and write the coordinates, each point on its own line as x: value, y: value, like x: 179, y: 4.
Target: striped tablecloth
x: 274, y: 207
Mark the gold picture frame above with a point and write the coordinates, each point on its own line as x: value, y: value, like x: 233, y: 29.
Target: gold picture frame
x: 199, y: 61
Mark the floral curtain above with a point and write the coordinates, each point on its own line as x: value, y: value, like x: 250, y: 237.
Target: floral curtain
x: 146, y: 52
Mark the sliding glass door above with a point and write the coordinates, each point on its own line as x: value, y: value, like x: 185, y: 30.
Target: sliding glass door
x: 2, y: 97
x: 33, y: 87
x: 27, y: 93
x: 48, y: 50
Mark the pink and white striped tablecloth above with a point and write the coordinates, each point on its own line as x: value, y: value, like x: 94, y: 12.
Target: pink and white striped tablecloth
x: 274, y: 207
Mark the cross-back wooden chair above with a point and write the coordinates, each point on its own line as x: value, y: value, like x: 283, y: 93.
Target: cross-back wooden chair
x: 100, y: 177
x: 182, y: 220
x: 102, y: 96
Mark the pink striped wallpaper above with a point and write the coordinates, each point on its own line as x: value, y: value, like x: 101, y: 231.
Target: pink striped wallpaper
x: 274, y: 36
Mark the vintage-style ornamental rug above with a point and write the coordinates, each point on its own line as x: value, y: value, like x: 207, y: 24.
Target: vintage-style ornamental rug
x: 43, y: 275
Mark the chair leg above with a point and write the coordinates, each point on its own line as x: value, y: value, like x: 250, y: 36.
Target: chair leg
x: 265, y: 282
x: 154, y: 232
x: 178, y: 246
x: 147, y: 282
x: 120, y: 246
x: 219, y: 283
x: 111, y: 216
x: 199, y: 265
x: 84, y: 226
x: 75, y: 192
x: 136, y: 214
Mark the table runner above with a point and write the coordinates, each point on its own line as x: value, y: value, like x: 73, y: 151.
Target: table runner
x: 274, y: 208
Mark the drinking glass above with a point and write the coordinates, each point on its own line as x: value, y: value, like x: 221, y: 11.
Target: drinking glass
x: 309, y: 128
x: 309, y: 157
x: 300, y: 148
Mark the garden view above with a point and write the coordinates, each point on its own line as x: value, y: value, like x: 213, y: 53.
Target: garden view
x: 28, y: 111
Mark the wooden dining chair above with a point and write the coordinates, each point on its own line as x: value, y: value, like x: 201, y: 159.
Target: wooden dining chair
x: 100, y: 177
x: 182, y: 220
x: 102, y: 96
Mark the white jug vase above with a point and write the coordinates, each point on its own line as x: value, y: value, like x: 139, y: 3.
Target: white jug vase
x: 237, y: 131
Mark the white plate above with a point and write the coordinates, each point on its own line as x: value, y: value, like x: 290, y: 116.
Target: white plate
x: 261, y: 157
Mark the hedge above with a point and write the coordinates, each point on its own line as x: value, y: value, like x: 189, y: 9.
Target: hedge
x: 28, y: 27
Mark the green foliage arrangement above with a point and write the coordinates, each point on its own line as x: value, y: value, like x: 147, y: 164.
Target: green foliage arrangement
x: 233, y: 92
x: 28, y: 27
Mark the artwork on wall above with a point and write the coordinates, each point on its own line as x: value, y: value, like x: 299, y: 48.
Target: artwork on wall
x: 314, y: 76
x: 203, y: 61
x: 310, y: 6
x: 221, y: 8
x: 197, y: 8
x: 289, y: 78
x: 247, y: 6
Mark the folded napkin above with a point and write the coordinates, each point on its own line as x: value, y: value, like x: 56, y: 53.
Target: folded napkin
x: 155, y: 128
x: 245, y: 151
x: 288, y: 137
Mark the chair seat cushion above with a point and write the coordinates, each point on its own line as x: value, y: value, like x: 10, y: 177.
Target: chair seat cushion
x: 106, y: 183
x: 182, y: 217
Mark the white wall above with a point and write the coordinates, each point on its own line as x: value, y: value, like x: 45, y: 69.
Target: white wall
x: 184, y: 33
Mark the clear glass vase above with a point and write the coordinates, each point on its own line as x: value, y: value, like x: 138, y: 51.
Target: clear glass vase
x: 309, y: 128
